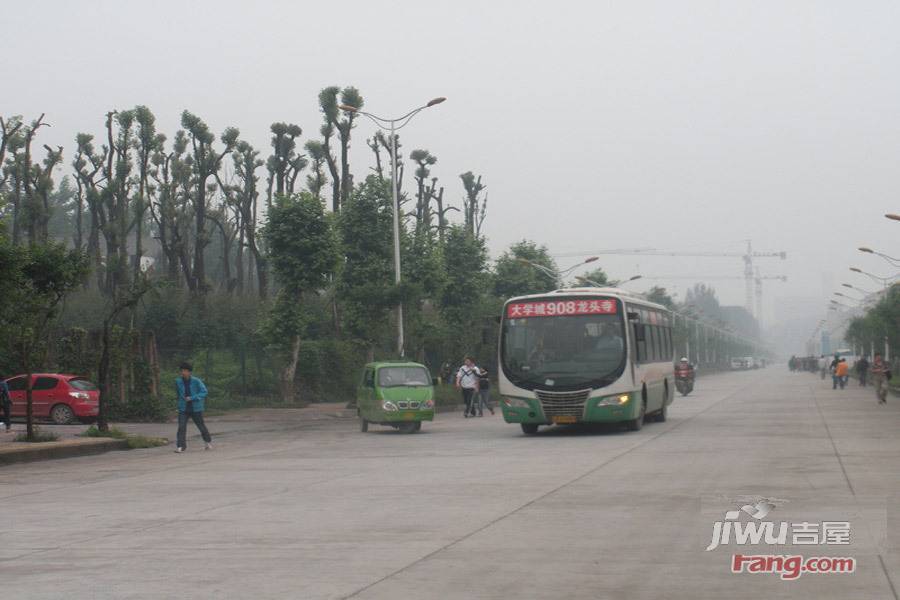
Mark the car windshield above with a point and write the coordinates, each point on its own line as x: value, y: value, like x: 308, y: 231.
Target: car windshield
x: 83, y: 385
x: 403, y: 377
x: 563, y: 351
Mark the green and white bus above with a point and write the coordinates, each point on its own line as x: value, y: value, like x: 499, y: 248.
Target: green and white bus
x: 594, y: 355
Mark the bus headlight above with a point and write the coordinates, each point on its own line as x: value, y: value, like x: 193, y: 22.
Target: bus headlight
x: 614, y: 400
x: 390, y: 406
x: 516, y: 403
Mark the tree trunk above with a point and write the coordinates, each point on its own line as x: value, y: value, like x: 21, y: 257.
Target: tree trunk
x: 29, y: 407
x: 200, y: 241
x: 103, y: 376
x: 153, y: 364
x: 288, y: 393
x: 239, y: 264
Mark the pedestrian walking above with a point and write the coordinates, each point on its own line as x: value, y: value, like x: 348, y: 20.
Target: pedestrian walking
x: 862, y: 370
x: 484, y: 392
x: 5, y: 405
x: 881, y: 375
x: 841, y: 371
x: 467, y: 381
x: 833, y: 369
x: 823, y: 366
x: 191, y: 402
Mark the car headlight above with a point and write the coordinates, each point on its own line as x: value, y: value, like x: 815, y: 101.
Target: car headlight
x: 390, y: 406
x: 516, y: 403
x: 427, y: 405
x: 613, y: 400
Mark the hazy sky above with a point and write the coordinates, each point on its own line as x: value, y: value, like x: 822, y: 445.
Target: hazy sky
x: 671, y: 125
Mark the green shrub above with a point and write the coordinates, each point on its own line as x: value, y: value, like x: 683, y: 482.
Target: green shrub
x: 39, y: 436
x: 137, y: 442
x: 113, y: 432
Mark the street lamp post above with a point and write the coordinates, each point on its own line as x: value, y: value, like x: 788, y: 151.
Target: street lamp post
x: 557, y: 274
x: 862, y: 291
x: 895, y: 262
x: 629, y: 280
x: 882, y: 280
x: 391, y: 126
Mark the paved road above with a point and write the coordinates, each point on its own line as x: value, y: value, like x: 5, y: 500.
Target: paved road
x: 470, y: 508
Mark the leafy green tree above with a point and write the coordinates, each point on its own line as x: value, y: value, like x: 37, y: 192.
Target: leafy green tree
x: 463, y: 302
x: 304, y: 253
x: 341, y: 123
x: 125, y: 297
x: 206, y: 162
x: 878, y: 324
x: 514, y: 277
x: 172, y: 210
x: 424, y: 191
x: 703, y: 298
x: 37, y: 280
x: 598, y: 276
x: 147, y: 142
x: 106, y: 178
x: 246, y: 162
x: 285, y: 164
x: 316, y: 179
x: 659, y: 295
x: 474, y: 204
x: 350, y: 96
x: 424, y: 278
x: 366, y: 289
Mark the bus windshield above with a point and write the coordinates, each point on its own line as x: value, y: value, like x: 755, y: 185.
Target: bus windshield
x: 567, y: 351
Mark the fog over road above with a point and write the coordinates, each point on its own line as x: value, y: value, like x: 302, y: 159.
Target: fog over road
x: 471, y: 508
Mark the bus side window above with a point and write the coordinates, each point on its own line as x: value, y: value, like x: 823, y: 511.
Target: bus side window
x: 657, y: 343
x: 640, y: 342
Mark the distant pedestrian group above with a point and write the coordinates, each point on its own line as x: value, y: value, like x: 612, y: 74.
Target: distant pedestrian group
x: 475, y: 385
x: 876, y: 372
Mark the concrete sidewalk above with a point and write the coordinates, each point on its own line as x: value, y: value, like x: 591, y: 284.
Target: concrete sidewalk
x: 470, y: 508
x: 69, y: 444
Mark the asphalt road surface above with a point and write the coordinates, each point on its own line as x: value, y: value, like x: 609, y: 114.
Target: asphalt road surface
x: 471, y: 508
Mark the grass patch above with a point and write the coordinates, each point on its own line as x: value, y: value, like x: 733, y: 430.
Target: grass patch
x: 137, y: 442
x: 39, y: 436
x: 113, y: 432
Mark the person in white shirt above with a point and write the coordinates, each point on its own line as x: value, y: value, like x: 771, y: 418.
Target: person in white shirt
x: 467, y: 381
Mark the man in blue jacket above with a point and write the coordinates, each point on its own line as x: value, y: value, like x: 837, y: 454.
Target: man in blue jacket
x: 191, y: 396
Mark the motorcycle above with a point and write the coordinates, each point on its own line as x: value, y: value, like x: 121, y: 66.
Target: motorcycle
x: 684, y: 381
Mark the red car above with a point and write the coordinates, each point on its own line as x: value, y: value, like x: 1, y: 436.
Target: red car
x: 62, y: 398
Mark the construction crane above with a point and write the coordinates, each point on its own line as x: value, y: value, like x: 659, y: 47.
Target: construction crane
x: 757, y: 279
x: 748, y: 256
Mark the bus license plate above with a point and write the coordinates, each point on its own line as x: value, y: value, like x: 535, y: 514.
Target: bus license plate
x: 564, y: 419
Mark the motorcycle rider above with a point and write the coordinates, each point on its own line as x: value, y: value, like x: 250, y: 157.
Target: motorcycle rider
x: 684, y: 370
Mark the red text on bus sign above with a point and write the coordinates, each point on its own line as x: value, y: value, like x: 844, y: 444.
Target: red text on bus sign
x: 560, y: 308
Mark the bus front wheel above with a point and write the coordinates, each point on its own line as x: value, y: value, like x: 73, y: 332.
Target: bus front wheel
x: 636, y: 424
x: 529, y: 428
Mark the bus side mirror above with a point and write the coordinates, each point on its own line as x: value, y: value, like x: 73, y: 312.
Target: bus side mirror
x: 640, y: 334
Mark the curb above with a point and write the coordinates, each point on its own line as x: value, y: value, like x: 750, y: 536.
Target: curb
x: 28, y: 452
